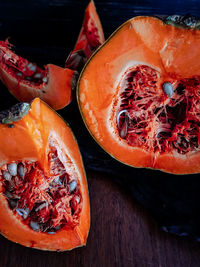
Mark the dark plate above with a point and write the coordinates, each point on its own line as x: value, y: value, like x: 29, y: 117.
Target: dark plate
x: 45, y: 31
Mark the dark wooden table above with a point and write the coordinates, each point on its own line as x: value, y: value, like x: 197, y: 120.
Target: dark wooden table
x: 121, y: 234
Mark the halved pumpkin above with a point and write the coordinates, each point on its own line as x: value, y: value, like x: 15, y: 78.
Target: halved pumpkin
x: 44, y: 200
x: 139, y: 94
x: 51, y: 83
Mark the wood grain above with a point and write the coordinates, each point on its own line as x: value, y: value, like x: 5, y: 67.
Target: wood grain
x: 121, y: 234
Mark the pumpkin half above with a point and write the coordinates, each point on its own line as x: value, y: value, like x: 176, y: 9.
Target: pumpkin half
x: 139, y: 94
x: 44, y: 200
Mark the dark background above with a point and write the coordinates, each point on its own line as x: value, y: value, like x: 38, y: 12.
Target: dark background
x: 46, y: 31
x: 122, y: 233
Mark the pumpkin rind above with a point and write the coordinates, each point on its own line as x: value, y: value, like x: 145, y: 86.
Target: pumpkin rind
x: 140, y: 41
x: 35, y: 129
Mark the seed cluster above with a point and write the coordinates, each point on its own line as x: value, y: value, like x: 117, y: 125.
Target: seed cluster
x: 143, y: 119
x: 45, y: 204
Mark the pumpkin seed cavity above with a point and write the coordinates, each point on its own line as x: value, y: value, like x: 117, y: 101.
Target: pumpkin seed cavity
x: 45, y: 204
x: 21, y: 68
x: 144, y: 120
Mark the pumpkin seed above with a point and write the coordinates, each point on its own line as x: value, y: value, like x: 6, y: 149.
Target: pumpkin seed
x: 44, y: 79
x: 35, y: 226
x: 23, y: 212
x: 119, y: 114
x: 38, y: 76
x: 77, y: 198
x: 21, y: 170
x: 168, y: 89
x: 31, y: 67
x: 12, y: 168
x: 72, y: 185
x: 6, y: 175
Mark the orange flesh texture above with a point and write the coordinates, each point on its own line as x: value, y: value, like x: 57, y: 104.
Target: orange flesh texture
x: 34, y: 129
x: 139, y: 41
x: 82, y: 41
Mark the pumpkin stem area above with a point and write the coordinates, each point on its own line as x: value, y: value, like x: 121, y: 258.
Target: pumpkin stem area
x: 43, y: 203
x: 20, y: 68
x: 154, y: 120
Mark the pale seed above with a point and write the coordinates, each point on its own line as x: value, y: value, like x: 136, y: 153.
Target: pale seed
x: 12, y: 168
x: 72, y: 186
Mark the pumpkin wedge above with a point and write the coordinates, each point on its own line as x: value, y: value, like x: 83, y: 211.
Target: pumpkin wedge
x: 139, y: 94
x: 25, y: 80
x: 44, y: 200
x: 90, y: 38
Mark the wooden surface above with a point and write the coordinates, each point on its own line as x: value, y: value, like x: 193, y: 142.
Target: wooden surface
x: 121, y: 234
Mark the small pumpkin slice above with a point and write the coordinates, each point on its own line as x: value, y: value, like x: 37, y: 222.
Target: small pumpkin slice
x: 139, y: 94
x: 26, y: 80
x: 44, y: 200
x: 90, y: 38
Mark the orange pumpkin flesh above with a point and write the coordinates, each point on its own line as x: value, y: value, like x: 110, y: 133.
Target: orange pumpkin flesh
x: 44, y: 199
x: 139, y: 95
